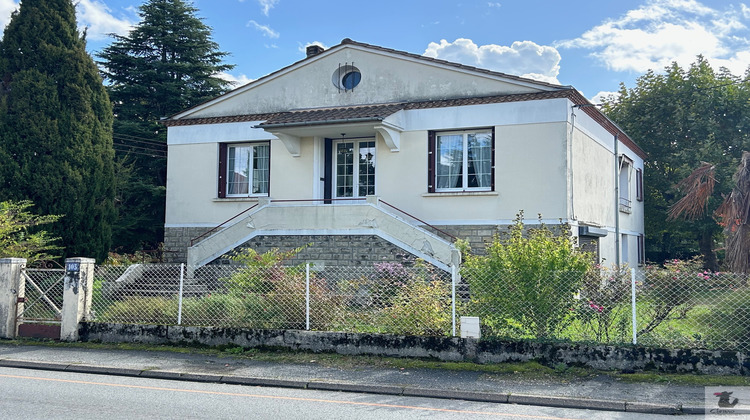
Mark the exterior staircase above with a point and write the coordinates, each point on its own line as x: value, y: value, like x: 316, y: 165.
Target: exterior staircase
x: 368, y: 217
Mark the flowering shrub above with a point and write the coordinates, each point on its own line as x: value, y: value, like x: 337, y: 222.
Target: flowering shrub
x: 669, y: 291
x: 602, y: 310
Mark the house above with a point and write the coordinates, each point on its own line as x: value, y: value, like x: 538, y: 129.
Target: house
x: 371, y: 154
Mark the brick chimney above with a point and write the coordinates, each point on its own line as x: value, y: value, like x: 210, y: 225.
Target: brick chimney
x: 314, y: 50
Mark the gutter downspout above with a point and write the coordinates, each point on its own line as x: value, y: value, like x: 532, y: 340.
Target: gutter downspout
x: 617, y: 204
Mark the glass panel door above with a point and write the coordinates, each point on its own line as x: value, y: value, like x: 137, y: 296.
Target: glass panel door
x: 354, y: 168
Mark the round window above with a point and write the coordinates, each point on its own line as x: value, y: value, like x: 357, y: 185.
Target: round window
x: 351, y: 79
x: 346, y: 77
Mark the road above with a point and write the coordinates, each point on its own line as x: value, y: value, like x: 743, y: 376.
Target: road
x: 36, y: 394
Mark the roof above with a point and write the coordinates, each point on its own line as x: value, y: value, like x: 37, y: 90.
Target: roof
x: 378, y: 112
x: 347, y: 41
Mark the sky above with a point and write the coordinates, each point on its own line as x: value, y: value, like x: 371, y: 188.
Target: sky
x: 591, y: 45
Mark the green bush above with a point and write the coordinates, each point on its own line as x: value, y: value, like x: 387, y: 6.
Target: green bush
x: 273, y: 294
x: 421, y: 307
x: 141, y: 310
x: 216, y: 310
x: 527, y: 283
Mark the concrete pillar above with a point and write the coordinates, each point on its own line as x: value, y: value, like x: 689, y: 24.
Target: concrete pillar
x: 11, y: 287
x: 78, y: 286
x: 264, y: 201
x: 372, y: 199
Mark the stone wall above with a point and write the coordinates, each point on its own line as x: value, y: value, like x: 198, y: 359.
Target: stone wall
x: 177, y: 241
x: 336, y: 250
x: 604, y: 357
x: 477, y: 235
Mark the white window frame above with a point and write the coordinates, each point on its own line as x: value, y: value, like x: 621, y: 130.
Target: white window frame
x: 251, y: 170
x: 465, y: 158
x: 355, y: 177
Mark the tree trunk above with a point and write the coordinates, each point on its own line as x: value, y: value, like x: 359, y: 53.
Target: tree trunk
x: 706, y: 242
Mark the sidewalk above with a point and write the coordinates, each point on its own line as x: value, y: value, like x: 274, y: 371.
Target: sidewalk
x: 601, y: 392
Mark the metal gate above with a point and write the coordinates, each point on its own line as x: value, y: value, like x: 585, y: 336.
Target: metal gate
x: 39, y: 303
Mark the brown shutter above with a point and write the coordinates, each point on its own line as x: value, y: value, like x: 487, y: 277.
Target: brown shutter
x: 222, y: 170
x: 492, y: 173
x: 431, y: 161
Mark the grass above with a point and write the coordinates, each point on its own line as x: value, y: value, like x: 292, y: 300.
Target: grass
x: 531, y: 370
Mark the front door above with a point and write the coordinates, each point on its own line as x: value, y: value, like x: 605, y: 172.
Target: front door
x: 352, y: 168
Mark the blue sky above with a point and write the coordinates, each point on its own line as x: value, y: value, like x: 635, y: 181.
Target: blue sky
x: 592, y: 45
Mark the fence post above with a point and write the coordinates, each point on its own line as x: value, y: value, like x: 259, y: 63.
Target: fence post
x: 632, y: 305
x: 454, y: 280
x: 78, y: 285
x: 307, y: 296
x: 179, y: 297
x: 11, y: 287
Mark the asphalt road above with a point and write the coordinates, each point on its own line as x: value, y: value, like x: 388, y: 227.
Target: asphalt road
x: 38, y: 394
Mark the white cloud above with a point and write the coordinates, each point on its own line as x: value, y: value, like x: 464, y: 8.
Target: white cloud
x: 99, y: 20
x: 522, y: 58
x: 664, y: 31
x: 6, y: 8
x: 91, y: 14
x: 494, y: 4
x: 601, y: 96
x: 265, y: 30
x: 267, y: 5
x: 236, y: 81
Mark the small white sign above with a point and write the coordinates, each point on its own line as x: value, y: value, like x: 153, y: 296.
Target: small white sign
x: 724, y: 402
x: 470, y: 327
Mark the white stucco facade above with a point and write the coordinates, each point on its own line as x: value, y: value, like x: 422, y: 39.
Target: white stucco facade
x: 550, y: 156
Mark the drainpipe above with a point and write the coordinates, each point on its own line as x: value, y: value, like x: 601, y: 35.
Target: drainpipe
x: 617, y: 204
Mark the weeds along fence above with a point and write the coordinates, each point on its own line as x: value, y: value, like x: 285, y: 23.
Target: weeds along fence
x: 661, y: 307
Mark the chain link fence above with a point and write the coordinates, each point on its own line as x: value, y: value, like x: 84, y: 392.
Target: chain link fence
x: 672, y: 308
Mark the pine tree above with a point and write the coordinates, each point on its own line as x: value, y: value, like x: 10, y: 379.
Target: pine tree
x: 56, y: 126
x: 167, y: 63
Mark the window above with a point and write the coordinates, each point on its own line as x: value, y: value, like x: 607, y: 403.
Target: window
x: 462, y: 161
x: 351, y: 80
x: 244, y: 169
x: 639, y: 184
x: 624, y: 184
x: 354, y: 168
x: 346, y: 77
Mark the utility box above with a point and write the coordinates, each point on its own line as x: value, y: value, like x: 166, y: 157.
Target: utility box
x: 470, y: 327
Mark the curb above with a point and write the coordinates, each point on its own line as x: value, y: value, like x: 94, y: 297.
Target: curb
x: 521, y: 399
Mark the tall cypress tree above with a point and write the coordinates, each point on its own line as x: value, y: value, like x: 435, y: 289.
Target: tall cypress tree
x: 167, y: 63
x: 56, y: 126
